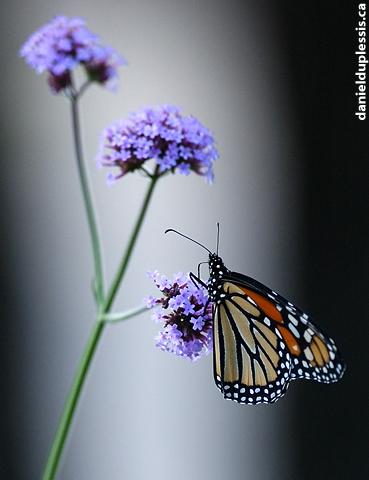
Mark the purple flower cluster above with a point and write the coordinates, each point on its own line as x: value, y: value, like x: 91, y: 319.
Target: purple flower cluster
x: 186, y: 314
x: 64, y: 43
x: 175, y: 142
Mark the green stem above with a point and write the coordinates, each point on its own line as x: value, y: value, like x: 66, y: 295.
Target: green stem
x: 71, y: 402
x: 127, y: 254
x: 99, y: 287
x: 119, y: 317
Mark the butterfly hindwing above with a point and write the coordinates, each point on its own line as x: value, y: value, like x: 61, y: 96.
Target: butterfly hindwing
x: 251, y: 361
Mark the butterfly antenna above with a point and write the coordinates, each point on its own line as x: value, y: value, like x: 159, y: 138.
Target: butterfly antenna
x: 188, y: 238
x: 217, y: 238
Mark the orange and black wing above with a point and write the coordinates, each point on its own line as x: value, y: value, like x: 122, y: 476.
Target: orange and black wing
x: 262, y: 342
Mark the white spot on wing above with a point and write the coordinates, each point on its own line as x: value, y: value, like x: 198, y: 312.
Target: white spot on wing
x: 294, y: 330
x: 307, y: 336
x: 293, y: 319
x: 308, y: 354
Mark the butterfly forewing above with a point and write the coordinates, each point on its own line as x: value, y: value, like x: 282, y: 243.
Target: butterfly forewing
x: 319, y: 358
x: 314, y: 355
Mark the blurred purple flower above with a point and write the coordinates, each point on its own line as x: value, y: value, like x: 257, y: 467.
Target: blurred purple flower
x: 186, y: 315
x: 175, y: 142
x: 65, y: 43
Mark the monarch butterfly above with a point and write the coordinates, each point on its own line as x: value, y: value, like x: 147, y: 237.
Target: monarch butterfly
x: 261, y: 341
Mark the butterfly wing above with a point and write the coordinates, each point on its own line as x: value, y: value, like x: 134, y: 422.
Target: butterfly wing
x: 315, y: 354
x: 251, y: 362
x: 262, y: 341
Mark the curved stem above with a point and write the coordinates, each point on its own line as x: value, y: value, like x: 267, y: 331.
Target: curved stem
x: 119, y: 317
x: 83, y: 87
x: 128, y: 252
x: 71, y: 402
x: 99, y: 287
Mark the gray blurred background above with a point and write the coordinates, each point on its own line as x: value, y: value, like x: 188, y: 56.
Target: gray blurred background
x: 291, y: 215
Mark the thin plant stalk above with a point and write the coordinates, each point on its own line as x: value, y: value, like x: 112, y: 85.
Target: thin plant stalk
x: 72, y: 401
x: 131, y: 243
x: 76, y: 389
x: 120, y: 316
x: 87, y: 197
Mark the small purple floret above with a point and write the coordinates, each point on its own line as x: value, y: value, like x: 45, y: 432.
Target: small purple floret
x: 176, y: 143
x: 186, y: 315
x: 65, y: 43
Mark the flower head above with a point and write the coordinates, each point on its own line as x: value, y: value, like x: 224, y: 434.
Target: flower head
x: 65, y: 43
x: 185, y: 312
x: 175, y: 142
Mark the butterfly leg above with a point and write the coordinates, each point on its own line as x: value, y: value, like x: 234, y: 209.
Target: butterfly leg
x: 198, y: 268
x: 197, y: 281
